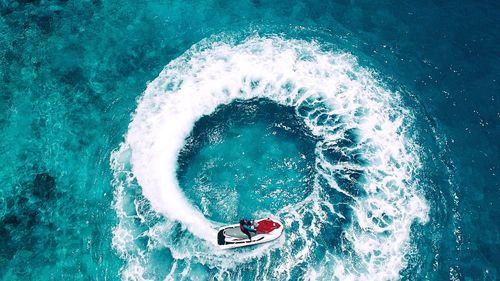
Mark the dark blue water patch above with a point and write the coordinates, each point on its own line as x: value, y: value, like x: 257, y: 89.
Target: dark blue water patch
x: 44, y: 186
x: 25, y: 228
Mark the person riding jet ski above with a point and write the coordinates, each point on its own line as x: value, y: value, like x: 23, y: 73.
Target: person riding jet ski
x: 234, y: 235
x: 246, y: 227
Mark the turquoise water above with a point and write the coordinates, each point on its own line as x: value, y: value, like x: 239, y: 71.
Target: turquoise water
x: 245, y: 157
x: 130, y: 131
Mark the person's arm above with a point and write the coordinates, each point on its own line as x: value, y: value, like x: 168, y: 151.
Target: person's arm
x: 249, y: 228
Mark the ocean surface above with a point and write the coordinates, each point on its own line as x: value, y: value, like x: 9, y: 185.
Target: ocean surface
x: 130, y: 131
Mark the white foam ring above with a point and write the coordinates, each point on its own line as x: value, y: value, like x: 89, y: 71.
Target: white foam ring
x: 341, y: 95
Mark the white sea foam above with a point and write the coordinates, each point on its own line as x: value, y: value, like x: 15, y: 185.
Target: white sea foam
x: 342, y: 97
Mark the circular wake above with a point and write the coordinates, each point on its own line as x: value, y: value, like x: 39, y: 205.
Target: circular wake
x: 356, y: 221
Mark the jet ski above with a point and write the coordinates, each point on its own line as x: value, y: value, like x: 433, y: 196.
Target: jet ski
x: 230, y: 236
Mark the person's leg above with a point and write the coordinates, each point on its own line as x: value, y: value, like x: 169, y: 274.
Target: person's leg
x: 247, y: 233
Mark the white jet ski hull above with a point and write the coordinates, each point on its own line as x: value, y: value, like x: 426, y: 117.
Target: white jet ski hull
x: 230, y: 236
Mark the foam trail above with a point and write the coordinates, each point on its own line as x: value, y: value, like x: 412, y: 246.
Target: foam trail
x: 340, y: 102
x: 161, y: 146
